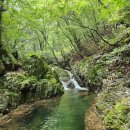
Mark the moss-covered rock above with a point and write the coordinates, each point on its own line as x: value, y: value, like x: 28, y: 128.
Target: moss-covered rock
x: 49, y: 88
x: 12, y: 81
x: 36, y: 66
x: 38, y: 81
x: 4, y: 101
x: 18, y: 88
x: 9, y: 60
x: 63, y: 74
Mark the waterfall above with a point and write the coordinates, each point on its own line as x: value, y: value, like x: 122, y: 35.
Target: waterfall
x: 65, y: 85
x: 77, y: 85
x: 72, y: 80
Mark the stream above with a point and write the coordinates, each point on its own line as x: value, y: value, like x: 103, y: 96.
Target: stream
x: 67, y: 114
x: 63, y: 113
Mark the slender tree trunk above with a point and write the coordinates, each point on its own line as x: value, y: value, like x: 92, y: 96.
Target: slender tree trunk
x: 55, y: 57
x: 1, y: 45
x: 71, y: 42
x: 1, y: 10
x: 0, y: 24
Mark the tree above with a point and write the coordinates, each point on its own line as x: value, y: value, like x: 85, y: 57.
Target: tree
x: 1, y: 11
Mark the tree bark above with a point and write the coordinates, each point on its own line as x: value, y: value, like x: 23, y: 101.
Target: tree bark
x: 0, y: 25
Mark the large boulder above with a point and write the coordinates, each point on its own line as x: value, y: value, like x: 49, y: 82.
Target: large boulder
x: 62, y: 74
x: 36, y: 66
x: 38, y: 81
x: 4, y: 101
x: 20, y: 88
x: 9, y: 59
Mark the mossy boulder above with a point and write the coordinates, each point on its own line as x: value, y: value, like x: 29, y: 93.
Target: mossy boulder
x: 9, y: 60
x: 37, y: 81
x: 49, y: 88
x: 20, y: 88
x: 12, y: 81
x: 36, y: 66
x: 4, y: 101
x: 62, y: 74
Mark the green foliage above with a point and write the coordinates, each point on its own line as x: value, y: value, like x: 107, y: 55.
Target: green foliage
x: 28, y: 81
x: 121, y: 50
x: 94, y: 74
x: 21, y: 87
x: 37, y: 26
x: 125, y: 13
x: 49, y: 87
x: 117, y: 116
x: 64, y: 76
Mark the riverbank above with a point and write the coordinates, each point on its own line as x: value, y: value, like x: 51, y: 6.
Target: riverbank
x: 48, y: 114
x: 92, y: 119
x: 108, y: 75
x: 28, y: 84
x: 9, y: 121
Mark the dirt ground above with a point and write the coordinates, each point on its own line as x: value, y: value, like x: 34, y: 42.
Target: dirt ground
x: 92, y: 120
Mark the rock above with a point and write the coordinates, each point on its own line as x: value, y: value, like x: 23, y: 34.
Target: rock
x: 83, y: 94
x: 71, y: 85
x: 4, y: 102
x: 1, y: 115
x: 39, y: 81
x: 36, y: 66
x: 64, y: 76
x: 20, y: 88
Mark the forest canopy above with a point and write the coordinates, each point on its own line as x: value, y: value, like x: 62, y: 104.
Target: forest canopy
x: 54, y: 28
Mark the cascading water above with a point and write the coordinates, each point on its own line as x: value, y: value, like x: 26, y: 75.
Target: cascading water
x: 72, y: 80
x: 77, y: 85
x: 65, y: 85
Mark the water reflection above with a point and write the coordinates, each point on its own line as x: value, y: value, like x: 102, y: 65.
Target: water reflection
x: 67, y: 114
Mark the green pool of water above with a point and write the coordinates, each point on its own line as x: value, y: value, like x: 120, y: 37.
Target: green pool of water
x: 67, y: 114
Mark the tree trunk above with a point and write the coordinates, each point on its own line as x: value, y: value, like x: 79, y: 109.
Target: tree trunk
x: 0, y: 26
x: 3, y: 52
x: 1, y: 11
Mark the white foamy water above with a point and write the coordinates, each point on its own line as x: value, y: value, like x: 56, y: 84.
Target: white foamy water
x: 72, y: 80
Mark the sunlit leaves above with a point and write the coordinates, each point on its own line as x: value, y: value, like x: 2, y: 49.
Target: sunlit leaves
x: 26, y: 18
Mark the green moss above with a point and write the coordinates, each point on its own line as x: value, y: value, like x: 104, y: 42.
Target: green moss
x: 22, y: 88
x: 59, y: 72
x: 36, y: 66
x: 12, y: 81
x: 91, y: 71
x: 38, y: 82
x: 49, y: 87
x: 117, y: 116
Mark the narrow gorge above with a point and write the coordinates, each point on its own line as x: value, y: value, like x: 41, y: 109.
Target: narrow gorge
x: 64, y: 65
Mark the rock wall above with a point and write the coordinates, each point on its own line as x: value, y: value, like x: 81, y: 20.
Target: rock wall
x: 109, y: 75
x: 36, y: 81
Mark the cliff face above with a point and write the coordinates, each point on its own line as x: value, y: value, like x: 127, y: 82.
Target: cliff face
x: 35, y: 81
